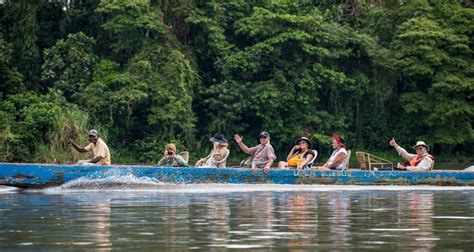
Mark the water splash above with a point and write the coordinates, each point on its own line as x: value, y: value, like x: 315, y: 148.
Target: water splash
x: 7, y: 189
x: 128, y: 182
x: 133, y: 183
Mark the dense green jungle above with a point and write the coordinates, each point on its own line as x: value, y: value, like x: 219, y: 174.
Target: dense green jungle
x: 148, y: 72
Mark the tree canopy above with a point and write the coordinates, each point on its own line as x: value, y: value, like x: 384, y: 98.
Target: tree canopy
x: 148, y: 72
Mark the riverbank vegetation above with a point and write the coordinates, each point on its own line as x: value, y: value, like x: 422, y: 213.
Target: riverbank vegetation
x: 148, y: 72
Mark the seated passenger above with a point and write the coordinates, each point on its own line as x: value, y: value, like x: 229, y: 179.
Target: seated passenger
x: 171, y: 159
x: 338, y: 158
x: 263, y: 154
x: 97, y: 147
x: 299, y: 156
x: 421, y: 161
x: 217, y: 157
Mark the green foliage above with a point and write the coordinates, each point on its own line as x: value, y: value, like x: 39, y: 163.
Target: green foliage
x: 130, y: 25
x: 36, y: 128
x: 148, y: 72
x: 170, y: 79
x: 26, y: 54
x: 11, y: 81
x: 113, y: 99
x: 437, y: 64
x: 283, y: 70
x: 69, y: 64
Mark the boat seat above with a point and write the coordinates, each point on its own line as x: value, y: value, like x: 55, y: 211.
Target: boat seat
x: 310, y: 163
x: 184, y: 155
x: 368, y: 161
x: 348, y: 158
x: 432, y: 165
x: 211, y: 162
x: 224, y: 159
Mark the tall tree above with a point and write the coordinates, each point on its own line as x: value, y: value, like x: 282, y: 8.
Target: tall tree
x: 130, y: 25
x: 11, y: 81
x: 26, y: 53
x: 287, y: 78
x: 436, y: 63
x: 69, y: 64
x: 170, y: 78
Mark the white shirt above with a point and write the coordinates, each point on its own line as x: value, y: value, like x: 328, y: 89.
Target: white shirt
x: 424, y: 165
x: 342, y: 165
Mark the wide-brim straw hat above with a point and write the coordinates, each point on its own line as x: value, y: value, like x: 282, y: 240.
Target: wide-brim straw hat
x: 421, y: 143
x: 310, y: 145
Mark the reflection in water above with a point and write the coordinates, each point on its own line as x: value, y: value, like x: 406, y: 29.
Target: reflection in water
x: 218, y: 213
x: 302, y: 221
x: 99, y: 215
x: 340, y: 208
x: 295, y: 221
x: 420, y: 210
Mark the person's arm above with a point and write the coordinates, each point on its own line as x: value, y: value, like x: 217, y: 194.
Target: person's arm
x: 162, y: 161
x: 292, y: 153
x: 337, y: 160
x: 242, y: 146
x: 203, y: 160
x: 324, y: 165
x: 77, y: 147
x: 270, y: 153
x: 308, y: 159
x: 402, y: 152
x: 180, y: 161
x: 267, y: 166
x: 198, y: 163
x: 95, y: 160
x: 101, y: 151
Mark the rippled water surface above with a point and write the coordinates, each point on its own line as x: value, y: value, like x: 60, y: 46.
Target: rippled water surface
x: 228, y: 217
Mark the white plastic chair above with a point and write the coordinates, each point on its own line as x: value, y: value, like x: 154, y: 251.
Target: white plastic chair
x: 346, y: 160
x: 310, y: 163
x: 211, y: 162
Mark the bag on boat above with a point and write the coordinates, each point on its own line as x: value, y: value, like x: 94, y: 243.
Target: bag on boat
x: 247, y: 162
x: 295, y: 160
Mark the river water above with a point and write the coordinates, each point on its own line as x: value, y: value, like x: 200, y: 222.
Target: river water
x: 142, y: 215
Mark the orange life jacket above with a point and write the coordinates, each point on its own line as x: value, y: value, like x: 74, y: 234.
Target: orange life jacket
x: 414, y: 161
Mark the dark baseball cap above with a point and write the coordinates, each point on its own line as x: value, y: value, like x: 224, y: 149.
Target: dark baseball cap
x: 93, y: 133
x: 264, y: 133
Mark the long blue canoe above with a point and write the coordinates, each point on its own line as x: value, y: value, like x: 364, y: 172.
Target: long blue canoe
x: 46, y: 175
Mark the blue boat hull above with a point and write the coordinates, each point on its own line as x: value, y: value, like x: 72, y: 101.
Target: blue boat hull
x: 45, y: 175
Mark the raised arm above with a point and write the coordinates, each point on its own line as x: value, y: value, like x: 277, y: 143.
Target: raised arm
x: 402, y: 152
x: 77, y: 147
x: 292, y: 153
x: 242, y: 146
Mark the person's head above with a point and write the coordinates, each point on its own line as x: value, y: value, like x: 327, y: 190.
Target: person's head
x: 421, y: 148
x: 338, y: 142
x: 170, y: 149
x: 264, y: 137
x: 93, y: 136
x: 304, y: 143
x: 218, y: 139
